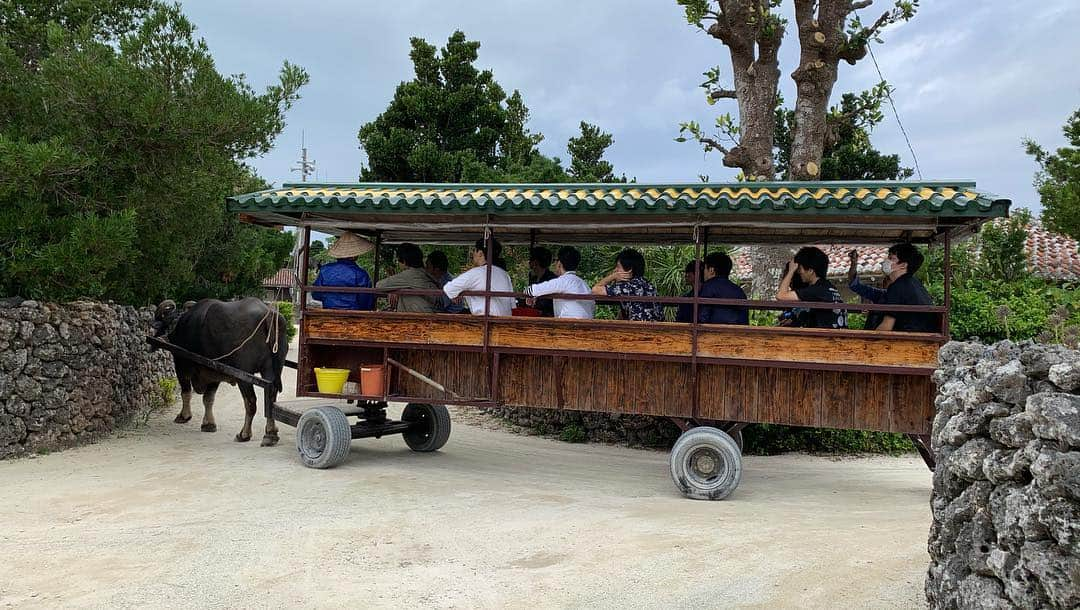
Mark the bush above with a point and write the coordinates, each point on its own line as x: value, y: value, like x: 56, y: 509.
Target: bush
x: 572, y: 433
x: 771, y: 439
x: 286, y: 310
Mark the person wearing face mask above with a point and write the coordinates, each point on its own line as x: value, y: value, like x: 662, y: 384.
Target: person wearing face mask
x: 812, y: 266
x: 906, y: 289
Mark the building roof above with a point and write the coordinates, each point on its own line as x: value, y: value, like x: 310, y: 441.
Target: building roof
x: 1050, y: 255
x: 284, y: 278
x: 743, y: 212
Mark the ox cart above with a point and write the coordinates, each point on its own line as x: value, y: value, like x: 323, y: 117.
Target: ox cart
x: 711, y: 380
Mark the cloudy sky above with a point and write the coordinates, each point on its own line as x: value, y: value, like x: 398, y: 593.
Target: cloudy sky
x: 972, y: 78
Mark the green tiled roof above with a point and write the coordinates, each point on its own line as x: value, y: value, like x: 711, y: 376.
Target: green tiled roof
x: 934, y: 199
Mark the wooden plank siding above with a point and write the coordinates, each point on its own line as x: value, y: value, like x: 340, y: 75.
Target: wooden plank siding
x: 763, y: 345
x: 566, y: 372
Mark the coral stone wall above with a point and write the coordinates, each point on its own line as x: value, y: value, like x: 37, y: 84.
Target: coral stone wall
x: 71, y: 372
x: 1006, y: 497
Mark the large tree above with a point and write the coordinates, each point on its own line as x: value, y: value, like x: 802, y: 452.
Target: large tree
x: 119, y: 141
x: 449, y: 117
x: 587, y: 163
x: 453, y: 123
x: 1058, y: 180
x: 829, y: 31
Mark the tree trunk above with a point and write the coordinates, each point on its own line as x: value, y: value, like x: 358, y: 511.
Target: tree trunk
x: 820, y: 38
x: 753, y: 40
x: 755, y: 84
x: 824, y: 42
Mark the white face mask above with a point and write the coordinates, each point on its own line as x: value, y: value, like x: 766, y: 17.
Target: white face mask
x: 886, y: 266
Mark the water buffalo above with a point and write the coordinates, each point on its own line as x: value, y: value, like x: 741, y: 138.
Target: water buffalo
x: 245, y: 334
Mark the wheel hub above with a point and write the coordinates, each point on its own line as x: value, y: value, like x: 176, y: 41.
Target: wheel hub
x: 314, y: 440
x: 705, y: 464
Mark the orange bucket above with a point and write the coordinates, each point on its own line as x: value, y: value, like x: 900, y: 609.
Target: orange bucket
x: 372, y: 379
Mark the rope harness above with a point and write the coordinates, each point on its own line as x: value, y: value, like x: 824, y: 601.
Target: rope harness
x: 271, y: 336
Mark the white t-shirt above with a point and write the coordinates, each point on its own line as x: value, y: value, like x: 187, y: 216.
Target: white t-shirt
x: 567, y: 283
x: 475, y: 279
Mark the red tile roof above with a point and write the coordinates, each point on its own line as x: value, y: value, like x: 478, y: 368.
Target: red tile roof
x: 1050, y: 255
x: 870, y: 258
x: 284, y: 278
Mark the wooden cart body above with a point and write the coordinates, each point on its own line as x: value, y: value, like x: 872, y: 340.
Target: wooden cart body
x: 693, y: 373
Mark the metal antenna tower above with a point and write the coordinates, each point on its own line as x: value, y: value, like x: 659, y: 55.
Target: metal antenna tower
x: 305, y: 166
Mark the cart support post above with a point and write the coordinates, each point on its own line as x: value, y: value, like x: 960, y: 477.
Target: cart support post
x: 489, y: 259
x: 947, y: 269
x: 694, y: 321
x: 301, y: 373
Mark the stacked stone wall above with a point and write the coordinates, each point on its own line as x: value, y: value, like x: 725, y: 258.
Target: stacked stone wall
x: 1006, y: 495
x: 69, y: 373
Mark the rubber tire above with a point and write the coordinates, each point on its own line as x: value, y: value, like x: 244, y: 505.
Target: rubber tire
x: 438, y: 429
x: 719, y: 446
x: 332, y: 428
x: 737, y: 437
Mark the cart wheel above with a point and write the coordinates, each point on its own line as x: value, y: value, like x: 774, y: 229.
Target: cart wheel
x: 432, y: 427
x: 323, y: 437
x: 706, y: 464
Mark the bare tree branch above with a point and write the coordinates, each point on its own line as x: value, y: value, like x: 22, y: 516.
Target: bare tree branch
x: 861, y: 4
x: 723, y: 93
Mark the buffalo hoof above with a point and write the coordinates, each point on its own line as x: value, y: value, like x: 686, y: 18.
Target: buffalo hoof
x: 269, y: 441
x: 240, y: 438
x: 209, y: 428
x: 180, y: 419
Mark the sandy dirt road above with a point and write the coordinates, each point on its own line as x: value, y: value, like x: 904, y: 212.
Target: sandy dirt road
x: 168, y: 516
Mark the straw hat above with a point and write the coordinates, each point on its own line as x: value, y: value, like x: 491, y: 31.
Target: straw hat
x: 350, y: 245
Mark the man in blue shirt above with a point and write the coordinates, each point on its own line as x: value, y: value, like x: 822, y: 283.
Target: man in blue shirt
x: 345, y: 272
x: 718, y: 286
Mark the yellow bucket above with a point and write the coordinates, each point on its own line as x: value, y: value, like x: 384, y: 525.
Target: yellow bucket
x: 330, y: 381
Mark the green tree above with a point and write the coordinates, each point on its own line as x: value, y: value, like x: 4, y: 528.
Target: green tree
x: 453, y: 123
x: 1058, y: 180
x: 1001, y: 254
x: 517, y: 144
x: 447, y: 119
x: 119, y: 141
x: 587, y: 162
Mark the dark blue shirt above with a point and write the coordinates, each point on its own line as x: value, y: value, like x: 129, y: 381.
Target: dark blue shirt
x: 869, y: 293
x: 344, y: 272
x: 722, y: 288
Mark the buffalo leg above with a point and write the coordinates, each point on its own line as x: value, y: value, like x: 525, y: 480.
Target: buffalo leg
x: 248, y: 392
x: 270, y: 438
x: 184, y: 416
x: 208, y: 424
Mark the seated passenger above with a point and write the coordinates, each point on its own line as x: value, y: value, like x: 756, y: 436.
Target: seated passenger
x: 867, y: 293
x: 436, y: 267
x: 539, y: 263
x: 628, y: 279
x: 812, y: 265
x: 566, y: 282
x: 685, y: 311
x: 412, y: 275
x: 719, y: 286
x: 476, y: 279
x: 906, y: 289
x: 345, y: 272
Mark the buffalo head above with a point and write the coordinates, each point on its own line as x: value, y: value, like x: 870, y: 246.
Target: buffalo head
x: 165, y: 318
